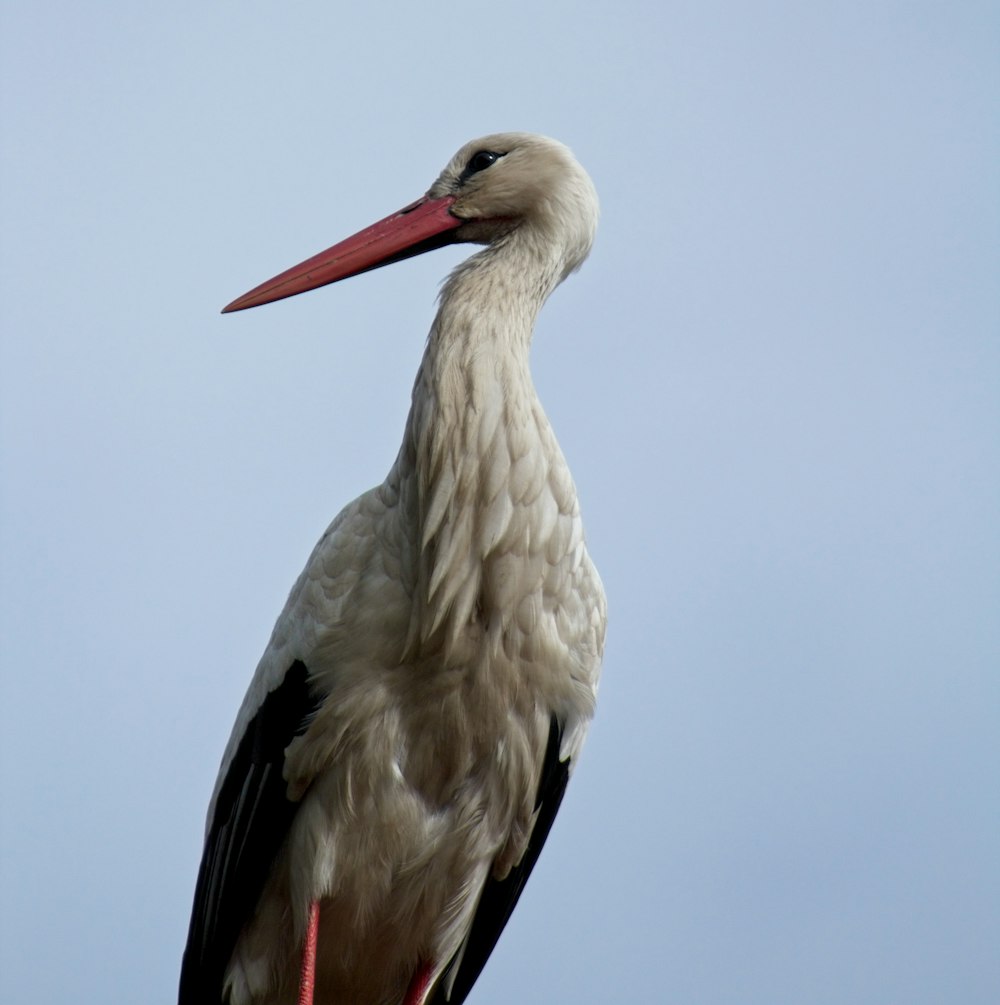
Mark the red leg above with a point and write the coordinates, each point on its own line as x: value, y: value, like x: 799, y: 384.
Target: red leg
x: 307, y: 978
x: 420, y: 985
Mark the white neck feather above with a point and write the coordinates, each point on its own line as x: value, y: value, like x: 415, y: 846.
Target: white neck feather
x: 479, y: 460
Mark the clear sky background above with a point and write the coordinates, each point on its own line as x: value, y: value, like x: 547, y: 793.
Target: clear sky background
x: 777, y: 381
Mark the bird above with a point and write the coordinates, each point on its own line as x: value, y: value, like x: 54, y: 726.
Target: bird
x: 408, y: 734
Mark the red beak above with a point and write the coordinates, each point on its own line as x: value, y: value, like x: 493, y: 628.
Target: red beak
x: 422, y: 226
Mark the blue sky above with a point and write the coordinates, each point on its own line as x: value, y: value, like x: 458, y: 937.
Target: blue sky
x: 777, y: 381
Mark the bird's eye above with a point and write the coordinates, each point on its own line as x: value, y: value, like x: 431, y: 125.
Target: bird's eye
x: 480, y: 162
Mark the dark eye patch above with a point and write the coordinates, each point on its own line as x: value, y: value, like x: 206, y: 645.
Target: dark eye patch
x: 479, y: 161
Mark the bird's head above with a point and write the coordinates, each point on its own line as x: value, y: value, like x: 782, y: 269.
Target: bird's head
x: 511, y: 181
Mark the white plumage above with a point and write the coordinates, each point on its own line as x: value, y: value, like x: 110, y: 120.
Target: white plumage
x: 404, y: 742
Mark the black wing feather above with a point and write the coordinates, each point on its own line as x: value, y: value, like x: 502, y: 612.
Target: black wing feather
x: 499, y: 897
x: 251, y: 820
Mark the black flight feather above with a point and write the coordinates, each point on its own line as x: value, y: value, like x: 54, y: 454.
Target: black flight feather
x: 251, y: 820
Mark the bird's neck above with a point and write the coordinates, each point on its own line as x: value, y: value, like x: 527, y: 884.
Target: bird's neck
x: 478, y: 450
x: 490, y: 302
x: 474, y: 380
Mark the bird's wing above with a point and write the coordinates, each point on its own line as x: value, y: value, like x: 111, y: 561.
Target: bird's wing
x: 250, y: 813
x: 251, y: 817
x: 499, y: 897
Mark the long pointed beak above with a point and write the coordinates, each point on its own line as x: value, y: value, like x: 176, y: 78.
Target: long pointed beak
x: 422, y: 226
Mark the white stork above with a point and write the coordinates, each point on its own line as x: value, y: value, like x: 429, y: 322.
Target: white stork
x: 409, y: 732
